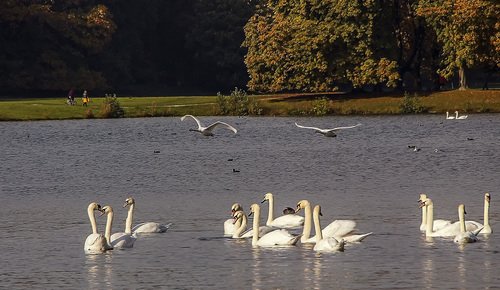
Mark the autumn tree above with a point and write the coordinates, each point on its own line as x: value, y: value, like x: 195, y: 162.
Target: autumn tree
x: 315, y: 46
x: 45, y: 43
x: 468, y: 31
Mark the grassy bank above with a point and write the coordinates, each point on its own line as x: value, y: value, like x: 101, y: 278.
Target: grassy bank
x: 471, y: 101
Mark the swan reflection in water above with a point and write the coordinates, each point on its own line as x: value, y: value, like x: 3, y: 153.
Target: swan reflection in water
x: 99, y: 270
x: 257, y: 279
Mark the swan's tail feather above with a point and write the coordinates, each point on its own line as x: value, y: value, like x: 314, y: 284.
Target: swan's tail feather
x: 356, y: 238
x: 476, y: 232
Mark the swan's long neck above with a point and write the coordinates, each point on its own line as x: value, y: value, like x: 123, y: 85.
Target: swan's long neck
x: 461, y: 218
x: 424, y: 217
x: 256, y: 217
x: 306, y: 232
x: 109, y: 224
x: 129, y: 220
x: 270, y: 214
x: 317, y: 226
x: 486, y: 213
x: 430, y: 219
x: 241, y: 225
x: 93, y: 223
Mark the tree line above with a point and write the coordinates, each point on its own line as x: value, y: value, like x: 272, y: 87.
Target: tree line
x: 261, y: 45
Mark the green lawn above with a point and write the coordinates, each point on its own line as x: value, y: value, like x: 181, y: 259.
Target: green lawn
x: 472, y: 101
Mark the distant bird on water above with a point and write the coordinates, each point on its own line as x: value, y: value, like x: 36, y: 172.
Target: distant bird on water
x: 463, y: 117
x: 327, y: 132
x: 207, y: 131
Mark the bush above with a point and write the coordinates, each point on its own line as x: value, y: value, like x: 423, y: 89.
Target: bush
x: 320, y: 107
x: 111, y: 108
x: 237, y: 104
x: 411, y: 105
x: 89, y: 114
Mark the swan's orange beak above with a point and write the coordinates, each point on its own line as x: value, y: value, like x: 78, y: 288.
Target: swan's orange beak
x: 297, y: 209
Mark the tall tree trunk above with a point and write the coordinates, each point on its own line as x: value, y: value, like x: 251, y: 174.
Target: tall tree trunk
x: 462, y: 78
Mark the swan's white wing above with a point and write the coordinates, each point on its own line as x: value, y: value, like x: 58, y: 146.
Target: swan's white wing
x: 122, y: 240
x: 341, y: 128
x: 196, y: 119
x: 229, y: 227
x: 278, y: 238
x: 211, y: 127
x: 438, y: 225
x: 454, y: 229
x: 339, y: 228
x: 95, y: 243
x: 288, y: 221
x: 305, y: 127
x: 150, y: 227
x: 262, y: 231
x: 355, y: 238
x: 329, y: 245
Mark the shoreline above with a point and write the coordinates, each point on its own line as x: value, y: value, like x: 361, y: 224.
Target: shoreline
x: 285, y: 105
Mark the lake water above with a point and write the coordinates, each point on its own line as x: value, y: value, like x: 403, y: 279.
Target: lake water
x: 51, y: 171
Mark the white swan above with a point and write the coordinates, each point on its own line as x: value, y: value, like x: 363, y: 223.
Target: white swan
x: 327, y: 244
x: 241, y: 218
x: 487, y: 227
x: 461, y: 117
x: 448, y: 231
x: 286, y: 221
x: 327, y: 132
x: 147, y: 227
x: 465, y: 236
x: 95, y: 242
x: 448, y: 117
x: 229, y: 225
x: 207, y: 131
x: 276, y: 238
x: 338, y: 229
x: 438, y: 224
x: 118, y: 240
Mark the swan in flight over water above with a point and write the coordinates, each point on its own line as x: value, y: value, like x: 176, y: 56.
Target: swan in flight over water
x: 207, y: 131
x: 461, y: 117
x: 448, y: 117
x: 327, y: 132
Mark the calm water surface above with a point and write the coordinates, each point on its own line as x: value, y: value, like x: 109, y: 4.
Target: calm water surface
x: 51, y: 171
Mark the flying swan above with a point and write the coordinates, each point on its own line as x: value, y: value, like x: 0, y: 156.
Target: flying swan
x: 327, y: 244
x: 118, y: 240
x: 327, y: 132
x: 276, y: 238
x: 285, y: 221
x: 207, y: 131
x: 147, y: 227
x: 338, y: 229
x: 464, y: 236
x: 95, y: 242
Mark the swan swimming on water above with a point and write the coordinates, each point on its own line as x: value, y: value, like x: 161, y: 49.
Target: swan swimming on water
x: 338, y: 229
x: 327, y: 132
x: 285, y: 221
x: 461, y: 117
x: 118, y: 240
x: 276, y: 238
x: 325, y: 244
x: 448, y: 231
x: 465, y: 236
x: 147, y: 227
x: 95, y: 242
x: 448, y: 117
x: 437, y: 225
x: 229, y: 225
x: 207, y: 131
